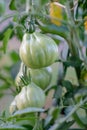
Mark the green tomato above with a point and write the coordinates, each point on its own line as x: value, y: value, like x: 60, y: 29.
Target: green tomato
x: 30, y: 96
x: 41, y: 77
x: 38, y: 50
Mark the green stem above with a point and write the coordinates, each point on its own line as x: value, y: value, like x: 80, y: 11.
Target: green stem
x: 71, y: 41
x: 75, y: 43
x: 28, y: 6
x: 79, y: 47
x: 61, y: 121
x: 7, y: 81
x: 8, y: 16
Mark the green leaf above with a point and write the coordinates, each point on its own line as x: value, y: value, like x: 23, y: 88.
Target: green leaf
x: 14, y: 56
x: 71, y: 76
x: 43, y: 2
x: 11, y: 127
x: 78, y: 120
x: 1, y: 94
x: 67, y: 84
x: 12, y: 5
x: 19, y: 32
x: 51, y: 28
x: 73, y: 61
x: 63, y: 126
x: 54, y: 111
x: 10, y: 25
x: 17, y: 5
x: 27, y: 120
x: 58, y: 92
x: 4, y: 86
x: 27, y: 111
x: 6, y: 38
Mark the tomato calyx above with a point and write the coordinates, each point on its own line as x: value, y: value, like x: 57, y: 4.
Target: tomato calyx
x: 30, y: 27
x: 24, y: 78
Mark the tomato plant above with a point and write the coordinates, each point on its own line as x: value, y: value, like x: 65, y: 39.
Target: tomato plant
x: 46, y: 73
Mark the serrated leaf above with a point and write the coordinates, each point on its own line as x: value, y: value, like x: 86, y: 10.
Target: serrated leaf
x: 6, y: 38
x: 12, y: 5
x: 27, y: 111
x: 11, y: 127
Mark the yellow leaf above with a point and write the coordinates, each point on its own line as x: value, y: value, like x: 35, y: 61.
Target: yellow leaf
x: 55, y: 12
x: 85, y: 23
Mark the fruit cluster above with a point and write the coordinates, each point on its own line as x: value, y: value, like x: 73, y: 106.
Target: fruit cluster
x: 37, y: 52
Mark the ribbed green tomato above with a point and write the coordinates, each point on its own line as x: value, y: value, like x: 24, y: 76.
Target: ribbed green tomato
x: 41, y: 77
x: 38, y: 50
x: 30, y: 96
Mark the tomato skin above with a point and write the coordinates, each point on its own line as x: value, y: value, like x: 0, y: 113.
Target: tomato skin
x: 38, y: 50
x: 41, y: 77
x: 30, y: 96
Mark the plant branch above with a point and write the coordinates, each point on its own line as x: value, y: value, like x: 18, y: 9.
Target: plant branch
x: 8, y: 16
x: 28, y: 6
x: 62, y: 120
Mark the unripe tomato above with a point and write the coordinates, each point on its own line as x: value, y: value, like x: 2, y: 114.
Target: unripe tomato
x: 30, y: 96
x: 38, y: 50
x: 41, y: 77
